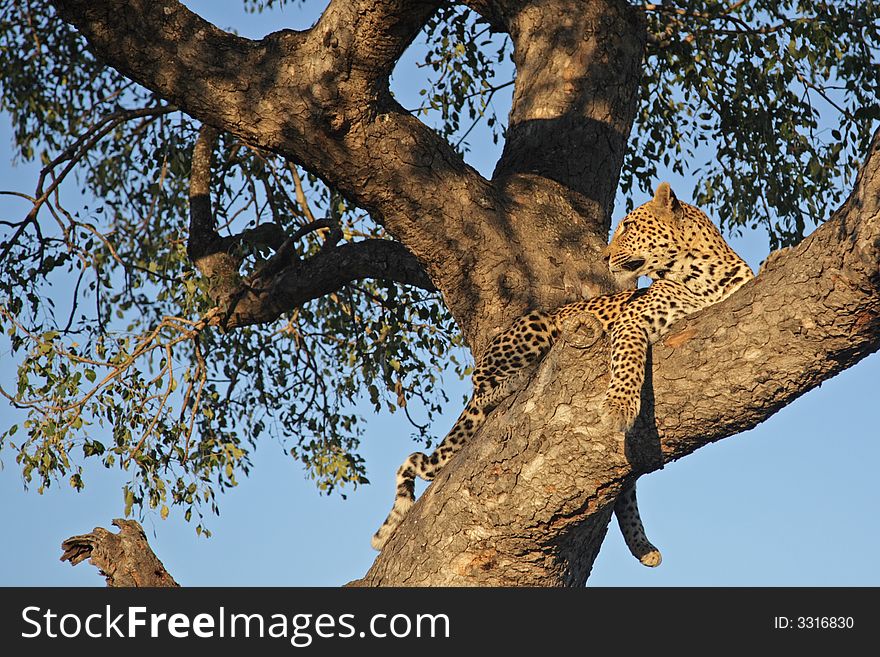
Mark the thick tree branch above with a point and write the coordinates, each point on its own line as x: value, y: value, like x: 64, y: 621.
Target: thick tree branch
x: 374, y: 33
x: 124, y: 559
x: 527, y: 503
x: 320, y: 97
x: 578, y: 66
x: 268, y: 295
x: 814, y: 312
x: 284, y: 282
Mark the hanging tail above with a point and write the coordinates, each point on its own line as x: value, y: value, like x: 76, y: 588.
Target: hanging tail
x: 627, y: 511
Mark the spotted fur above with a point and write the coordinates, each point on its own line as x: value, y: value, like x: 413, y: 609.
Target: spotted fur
x: 692, y: 267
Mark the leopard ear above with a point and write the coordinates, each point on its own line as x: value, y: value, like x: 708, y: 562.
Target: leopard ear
x: 665, y: 198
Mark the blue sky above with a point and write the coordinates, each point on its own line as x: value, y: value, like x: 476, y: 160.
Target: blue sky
x: 792, y: 502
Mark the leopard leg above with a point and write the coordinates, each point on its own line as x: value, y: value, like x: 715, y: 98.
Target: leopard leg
x: 627, y: 511
x: 629, y: 350
x: 518, y: 348
x: 419, y: 464
x: 504, y: 369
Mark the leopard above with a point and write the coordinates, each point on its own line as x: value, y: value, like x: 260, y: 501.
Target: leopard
x: 690, y: 265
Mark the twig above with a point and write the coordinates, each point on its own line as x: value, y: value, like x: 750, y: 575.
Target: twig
x: 300, y: 194
x: 72, y: 155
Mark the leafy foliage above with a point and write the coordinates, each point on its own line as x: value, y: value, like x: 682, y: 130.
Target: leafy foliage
x: 777, y: 100
x: 128, y: 371
x: 463, y: 58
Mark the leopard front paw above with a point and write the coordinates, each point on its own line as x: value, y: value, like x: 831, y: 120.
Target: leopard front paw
x: 619, y: 413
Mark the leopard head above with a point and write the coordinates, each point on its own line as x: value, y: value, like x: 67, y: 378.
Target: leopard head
x: 649, y: 238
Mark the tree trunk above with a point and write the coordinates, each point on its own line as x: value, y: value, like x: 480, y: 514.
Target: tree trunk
x: 528, y: 501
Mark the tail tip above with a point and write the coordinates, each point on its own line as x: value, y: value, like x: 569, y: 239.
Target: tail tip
x: 651, y: 559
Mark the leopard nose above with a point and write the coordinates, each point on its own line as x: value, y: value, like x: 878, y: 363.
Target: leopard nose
x: 606, y: 253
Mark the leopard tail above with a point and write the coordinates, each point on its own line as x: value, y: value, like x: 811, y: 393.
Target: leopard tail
x: 627, y: 511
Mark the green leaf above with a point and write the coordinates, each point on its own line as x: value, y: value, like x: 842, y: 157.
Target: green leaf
x: 129, y: 501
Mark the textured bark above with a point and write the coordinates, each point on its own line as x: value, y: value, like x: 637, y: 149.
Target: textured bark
x: 575, y: 62
x: 528, y: 501
x: 124, y: 559
x: 320, y: 97
x: 285, y: 281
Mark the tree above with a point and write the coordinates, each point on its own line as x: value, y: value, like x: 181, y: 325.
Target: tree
x: 204, y: 149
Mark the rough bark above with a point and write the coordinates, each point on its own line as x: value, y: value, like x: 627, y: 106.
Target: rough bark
x: 284, y: 281
x: 124, y: 559
x: 574, y: 63
x: 320, y: 97
x: 529, y: 500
